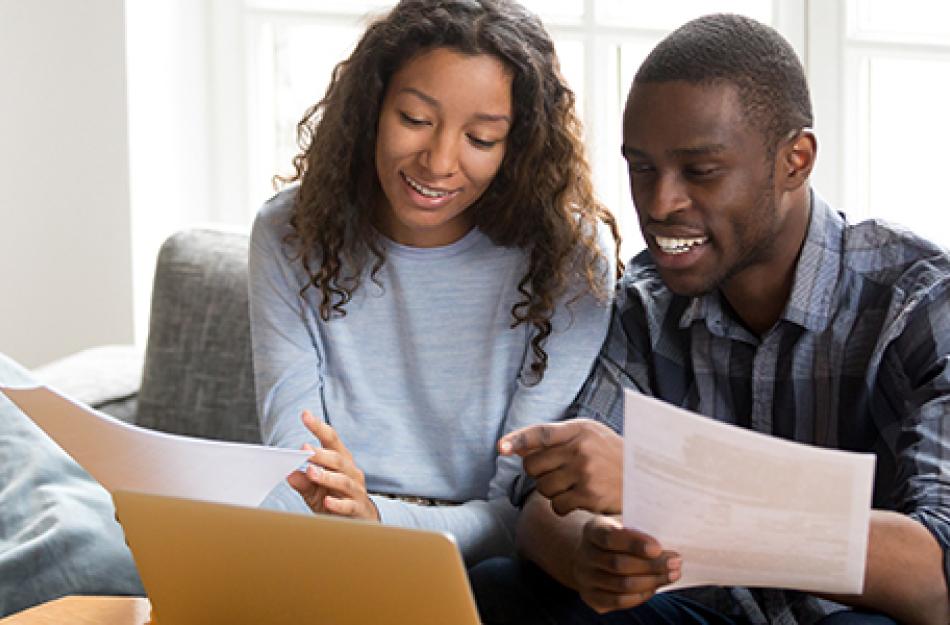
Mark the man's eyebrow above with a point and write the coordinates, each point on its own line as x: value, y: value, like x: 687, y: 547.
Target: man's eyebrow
x: 428, y: 99
x: 626, y: 151
x: 699, y: 150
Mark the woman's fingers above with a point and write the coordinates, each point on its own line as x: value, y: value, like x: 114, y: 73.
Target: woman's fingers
x: 324, y: 432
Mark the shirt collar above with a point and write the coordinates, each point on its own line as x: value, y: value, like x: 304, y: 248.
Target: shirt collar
x: 810, y: 301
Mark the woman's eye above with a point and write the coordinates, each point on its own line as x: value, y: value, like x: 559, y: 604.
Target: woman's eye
x: 483, y: 144
x: 640, y: 168
x: 412, y: 121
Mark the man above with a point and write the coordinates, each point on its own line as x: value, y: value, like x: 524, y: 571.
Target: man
x: 758, y: 305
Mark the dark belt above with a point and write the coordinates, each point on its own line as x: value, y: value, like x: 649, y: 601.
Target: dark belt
x: 421, y: 501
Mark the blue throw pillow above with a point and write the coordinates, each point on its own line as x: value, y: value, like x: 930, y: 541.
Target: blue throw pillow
x: 58, y: 533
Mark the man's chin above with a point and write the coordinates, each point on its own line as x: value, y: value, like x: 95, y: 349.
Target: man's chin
x: 688, y: 285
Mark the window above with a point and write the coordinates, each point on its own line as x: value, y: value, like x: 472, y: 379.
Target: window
x: 294, y: 45
x: 881, y: 93
x: 217, y: 88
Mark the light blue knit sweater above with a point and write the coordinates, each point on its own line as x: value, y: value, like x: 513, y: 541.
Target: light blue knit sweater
x: 420, y: 378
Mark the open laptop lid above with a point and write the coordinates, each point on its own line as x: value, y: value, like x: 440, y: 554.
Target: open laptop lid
x: 204, y: 562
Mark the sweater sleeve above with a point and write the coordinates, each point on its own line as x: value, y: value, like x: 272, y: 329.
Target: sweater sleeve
x: 287, y: 362
x: 485, y: 528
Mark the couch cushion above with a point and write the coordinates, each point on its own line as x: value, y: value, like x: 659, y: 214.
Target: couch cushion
x: 198, y: 378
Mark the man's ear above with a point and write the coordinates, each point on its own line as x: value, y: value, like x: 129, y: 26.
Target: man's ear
x: 796, y: 159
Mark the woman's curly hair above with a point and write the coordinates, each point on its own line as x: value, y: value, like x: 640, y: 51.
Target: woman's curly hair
x: 541, y: 200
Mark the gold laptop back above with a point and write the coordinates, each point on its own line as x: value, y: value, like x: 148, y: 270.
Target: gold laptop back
x: 203, y: 563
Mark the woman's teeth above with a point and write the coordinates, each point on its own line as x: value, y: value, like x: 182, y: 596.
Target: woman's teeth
x: 423, y: 190
x: 670, y: 245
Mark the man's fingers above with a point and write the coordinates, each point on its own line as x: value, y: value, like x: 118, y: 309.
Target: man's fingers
x: 609, y: 534
x: 626, y: 584
x: 546, y: 459
x: 534, y: 437
x: 553, y: 484
x: 615, y: 563
x: 603, y: 602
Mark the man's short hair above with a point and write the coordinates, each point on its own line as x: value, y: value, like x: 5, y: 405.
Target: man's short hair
x: 748, y: 54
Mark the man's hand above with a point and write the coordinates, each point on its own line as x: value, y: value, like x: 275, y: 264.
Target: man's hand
x: 332, y: 483
x: 618, y: 568
x: 577, y: 464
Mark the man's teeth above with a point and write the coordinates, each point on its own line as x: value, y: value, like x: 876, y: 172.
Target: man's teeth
x: 426, y: 191
x: 671, y: 245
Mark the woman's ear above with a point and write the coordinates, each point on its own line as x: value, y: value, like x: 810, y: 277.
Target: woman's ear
x: 797, y: 158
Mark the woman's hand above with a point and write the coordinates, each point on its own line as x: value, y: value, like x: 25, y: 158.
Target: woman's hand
x: 332, y: 483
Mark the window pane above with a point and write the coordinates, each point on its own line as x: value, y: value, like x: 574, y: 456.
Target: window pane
x: 669, y: 15
x: 293, y: 67
x: 631, y: 56
x: 358, y: 7
x: 905, y: 144
x: 570, y: 53
x: 923, y: 21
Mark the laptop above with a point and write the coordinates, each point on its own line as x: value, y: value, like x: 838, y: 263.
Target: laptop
x: 204, y: 563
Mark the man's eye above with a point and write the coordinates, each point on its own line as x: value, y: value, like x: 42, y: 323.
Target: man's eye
x: 701, y: 171
x: 640, y: 168
x: 412, y: 121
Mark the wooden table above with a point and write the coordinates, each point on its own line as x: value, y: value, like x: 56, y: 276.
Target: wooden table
x: 77, y: 610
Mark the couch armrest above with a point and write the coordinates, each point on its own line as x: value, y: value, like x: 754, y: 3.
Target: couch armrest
x: 106, y: 378
x: 198, y: 378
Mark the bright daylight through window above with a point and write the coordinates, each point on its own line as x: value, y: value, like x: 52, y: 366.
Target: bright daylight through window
x: 877, y: 72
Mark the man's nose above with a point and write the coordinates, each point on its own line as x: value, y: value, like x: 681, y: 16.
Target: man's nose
x: 665, y: 196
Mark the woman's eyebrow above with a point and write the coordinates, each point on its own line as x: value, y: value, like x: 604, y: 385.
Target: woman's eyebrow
x: 425, y: 97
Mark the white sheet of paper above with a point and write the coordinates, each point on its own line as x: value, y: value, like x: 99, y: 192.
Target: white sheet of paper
x: 744, y: 508
x: 125, y: 457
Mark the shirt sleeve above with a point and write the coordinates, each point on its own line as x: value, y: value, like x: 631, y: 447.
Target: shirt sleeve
x: 917, y: 363
x: 623, y: 363
x: 287, y: 362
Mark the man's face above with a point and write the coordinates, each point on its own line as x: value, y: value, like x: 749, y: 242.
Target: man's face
x: 702, y: 182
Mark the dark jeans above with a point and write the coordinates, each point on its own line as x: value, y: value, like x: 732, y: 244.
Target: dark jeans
x: 516, y: 592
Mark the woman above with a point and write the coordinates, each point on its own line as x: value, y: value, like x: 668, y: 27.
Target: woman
x: 439, y: 276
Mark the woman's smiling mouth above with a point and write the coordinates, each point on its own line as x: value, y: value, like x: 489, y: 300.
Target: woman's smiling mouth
x: 425, y: 191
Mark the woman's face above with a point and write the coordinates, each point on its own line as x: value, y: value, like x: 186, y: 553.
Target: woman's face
x: 441, y: 138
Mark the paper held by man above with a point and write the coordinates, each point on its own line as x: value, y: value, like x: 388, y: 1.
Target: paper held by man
x: 125, y: 457
x: 743, y: 508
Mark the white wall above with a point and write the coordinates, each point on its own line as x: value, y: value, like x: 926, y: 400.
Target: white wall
x: 65, y: 247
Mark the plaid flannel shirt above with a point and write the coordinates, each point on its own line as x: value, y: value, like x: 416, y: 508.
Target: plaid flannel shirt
x: 859, y: 360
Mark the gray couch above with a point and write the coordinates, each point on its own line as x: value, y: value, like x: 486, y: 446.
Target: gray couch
x: 196, y: 376
x: 58, y: 533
